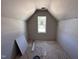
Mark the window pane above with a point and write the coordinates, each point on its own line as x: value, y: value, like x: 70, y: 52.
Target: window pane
x: 41, y: 24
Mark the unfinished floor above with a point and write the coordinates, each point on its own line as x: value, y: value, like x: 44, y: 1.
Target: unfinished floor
x: 46, y: 50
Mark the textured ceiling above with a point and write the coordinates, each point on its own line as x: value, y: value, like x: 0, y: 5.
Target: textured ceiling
x: 22, y: 9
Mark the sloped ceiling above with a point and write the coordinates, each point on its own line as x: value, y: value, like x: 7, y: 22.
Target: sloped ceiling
x: 22, y: 9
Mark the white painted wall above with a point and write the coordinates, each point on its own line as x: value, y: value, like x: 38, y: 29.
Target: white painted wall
x: 68, y: 36
x: 10, y: 30
x: 22, y: 9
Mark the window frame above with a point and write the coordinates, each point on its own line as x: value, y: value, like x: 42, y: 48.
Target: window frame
x: 41, y: 27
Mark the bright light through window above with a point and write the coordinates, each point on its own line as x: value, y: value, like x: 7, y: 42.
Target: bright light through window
x: 41, y: 24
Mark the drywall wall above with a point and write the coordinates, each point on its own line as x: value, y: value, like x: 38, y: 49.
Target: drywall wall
x: 68, y: 36
x: 22, y: 9
x: 51, y: 26
x: 10, y: 30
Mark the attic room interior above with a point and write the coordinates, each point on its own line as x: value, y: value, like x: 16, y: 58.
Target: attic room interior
x: 39, y: 29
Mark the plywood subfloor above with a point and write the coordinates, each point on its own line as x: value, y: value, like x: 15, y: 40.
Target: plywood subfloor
x: 46, y: 50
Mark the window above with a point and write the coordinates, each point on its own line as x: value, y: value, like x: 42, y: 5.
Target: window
x: 41, y: 24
